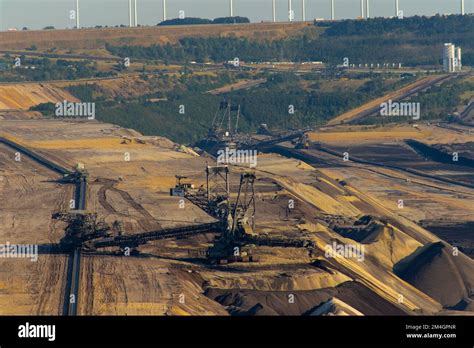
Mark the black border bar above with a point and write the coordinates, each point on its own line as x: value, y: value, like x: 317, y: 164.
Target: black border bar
x: 195, y: 331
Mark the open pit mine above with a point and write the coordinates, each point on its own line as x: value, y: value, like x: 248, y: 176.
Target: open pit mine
x: 139, y: 225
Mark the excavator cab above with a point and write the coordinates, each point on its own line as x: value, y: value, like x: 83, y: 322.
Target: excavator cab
x: 181, y: 188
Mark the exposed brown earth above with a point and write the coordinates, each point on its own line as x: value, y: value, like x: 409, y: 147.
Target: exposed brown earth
x: 143, y: 36
x: 29, y: 196
x: 24, y: 96
x: 354, y: 113
x: 136, y: 192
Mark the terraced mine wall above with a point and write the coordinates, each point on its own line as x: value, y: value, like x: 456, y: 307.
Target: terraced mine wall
x: 437, y: 155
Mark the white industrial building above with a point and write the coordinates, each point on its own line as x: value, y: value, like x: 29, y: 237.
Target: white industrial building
x: 452, y: 58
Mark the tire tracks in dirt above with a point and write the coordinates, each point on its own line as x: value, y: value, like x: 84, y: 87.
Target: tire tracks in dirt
x: 148, y: 222
x: 88, y: 308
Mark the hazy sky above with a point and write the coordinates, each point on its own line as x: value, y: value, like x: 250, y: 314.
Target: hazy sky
x: 36, y: 14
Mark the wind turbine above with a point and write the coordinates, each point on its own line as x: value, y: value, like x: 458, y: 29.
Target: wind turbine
x: 78, y: 24
x: 362, y: 9
x: 463, y: 12
x: 290, y: 11
x: 231, y: 8
x: 333, y: 15
x: 397, y: 8
x: 274, y: 11
x: 130, y: 24
x: 136, y: 14
x: 164, y: 10
x: 303, y: 10
x: 367, y: 5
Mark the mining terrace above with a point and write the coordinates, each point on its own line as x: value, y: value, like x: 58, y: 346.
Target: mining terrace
x: 418, y: 255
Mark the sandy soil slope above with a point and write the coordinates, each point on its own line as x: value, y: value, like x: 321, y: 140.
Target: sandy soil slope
x: 24, y: 96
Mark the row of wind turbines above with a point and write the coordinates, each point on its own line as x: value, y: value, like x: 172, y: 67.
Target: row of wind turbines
x: 364, y: 12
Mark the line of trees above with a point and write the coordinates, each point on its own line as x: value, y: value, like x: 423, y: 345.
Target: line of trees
x: 195, y: 20
x: 421, y: 25
x: 45, y: 69
x: 412, y: 41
